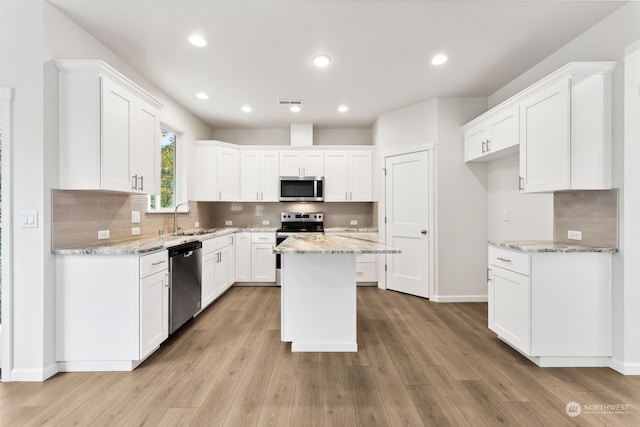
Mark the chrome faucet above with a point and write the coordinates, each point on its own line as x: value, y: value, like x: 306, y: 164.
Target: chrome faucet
x: 175, y: 216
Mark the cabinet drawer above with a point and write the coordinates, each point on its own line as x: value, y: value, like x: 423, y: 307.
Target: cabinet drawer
x: 215, y: 244
x: 517, y: 262
x: 366, y: 258
x: 150, y: 264
x: 366, y: 272
x: 263, y: 237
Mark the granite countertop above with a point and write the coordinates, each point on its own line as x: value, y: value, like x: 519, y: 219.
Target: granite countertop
x: 351, y: 230
x: 309, y: 243
x: 549, y: 246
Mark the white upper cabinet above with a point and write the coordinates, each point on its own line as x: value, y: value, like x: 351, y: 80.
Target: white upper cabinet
x: 302, y: 163
x: 348, y: 176
x: 492, y: 135
x: 109, y: 130
x: 566, y: 130
x: 217, y: 173
x: 546, y: 134
x: 259, y: 171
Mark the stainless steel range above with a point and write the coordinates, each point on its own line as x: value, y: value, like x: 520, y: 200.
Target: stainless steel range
x: 296, y: 222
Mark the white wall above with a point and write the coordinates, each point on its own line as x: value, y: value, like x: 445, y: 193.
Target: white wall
x: 460, y: 202
x: 605, y: 41
x: 22, y: 69
x: 45, y: 34
x: 629, y: 297
x: 321, y: 136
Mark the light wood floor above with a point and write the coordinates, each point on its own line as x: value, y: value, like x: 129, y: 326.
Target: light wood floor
x: 419, y: 363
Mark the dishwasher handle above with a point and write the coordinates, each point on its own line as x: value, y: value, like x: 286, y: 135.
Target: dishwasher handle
x: 185, y: 249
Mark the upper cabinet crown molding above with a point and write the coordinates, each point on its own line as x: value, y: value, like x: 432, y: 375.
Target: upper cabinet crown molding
x: 104, y: 69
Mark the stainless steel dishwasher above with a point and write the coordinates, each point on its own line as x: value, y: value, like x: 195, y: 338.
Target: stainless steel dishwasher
x: 185, y: 292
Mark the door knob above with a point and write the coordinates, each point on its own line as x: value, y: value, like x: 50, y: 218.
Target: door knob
x: 423, y: 231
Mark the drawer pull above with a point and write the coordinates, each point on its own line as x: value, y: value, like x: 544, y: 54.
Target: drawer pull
x: 158, y: 262
x: 504, y: 259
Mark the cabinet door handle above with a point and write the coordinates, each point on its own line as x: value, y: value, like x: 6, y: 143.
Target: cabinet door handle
x: 504, y: 259
x: 261, y: 196
x: 166, y: 280
x: 219, y: 195
x: 488, y: 146
x: 484, y: 145
x: 257, y: 195
x: 158, y: 262
x: 141, y: 188
x: 134, y: 179
x: 488, y: 274
x: 346, y: 195
x: 350, y: 195
x: 520, y: 183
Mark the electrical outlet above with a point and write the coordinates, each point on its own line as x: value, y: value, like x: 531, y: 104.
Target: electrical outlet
x: 574, y: 235
x: 103, y: 234
x: 266, y: 222
x: 506, y: 215
x: 135, y: 217
x: 197, y: 224
x: 227, y: 222
x: 354, y: 222
x: 135, y: 231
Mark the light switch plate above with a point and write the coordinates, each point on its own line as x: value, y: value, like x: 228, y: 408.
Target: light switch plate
x: 196, y: 224
x: 354, y: 222
x: 135, y: 231
x: 227, y: 222
x: 266, y: 222
x: 103, y: 234
x: 29, y: 219
x: 135, y: 217
x: 506, y: 215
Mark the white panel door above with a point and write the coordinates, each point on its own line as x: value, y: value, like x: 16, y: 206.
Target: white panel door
x: 545, y: 139
x: 206, y: 189
x: 270, y: 168
x: 117, y: 137
x: 228, y: 174
x: 336, y: 180
x: 209, y: 291
x: 147, y: 148
x: 510, y: 307
x: 154, y: 311
x: 407, y: 212
x: 263, y: 263
x: 361, y: 176
x: 243, y: 257
x: 250, y: 185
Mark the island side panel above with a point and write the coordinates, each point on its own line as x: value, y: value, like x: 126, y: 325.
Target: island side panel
x: 319, y: 302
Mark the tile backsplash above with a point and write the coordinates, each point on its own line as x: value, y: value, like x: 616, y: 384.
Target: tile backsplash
x: 593, y: 212
x: 78, y: 215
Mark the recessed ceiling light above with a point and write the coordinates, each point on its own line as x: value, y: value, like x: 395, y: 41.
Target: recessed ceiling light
x: 343, y: 108
x: 202, y: 95
x: 294, y: 109
x: 439, y: 59
x: 197, y: 40
x: 321, y: 61
x: 246, y: 109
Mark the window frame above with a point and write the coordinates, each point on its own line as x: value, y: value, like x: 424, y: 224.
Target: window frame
x: 177, y: 172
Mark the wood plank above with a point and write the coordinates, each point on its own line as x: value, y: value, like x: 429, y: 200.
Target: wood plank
x: 369, y: 407
x: 308, y: 398
x: 338, y: 398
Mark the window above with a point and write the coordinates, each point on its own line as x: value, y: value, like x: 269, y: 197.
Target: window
x: 167, y: 197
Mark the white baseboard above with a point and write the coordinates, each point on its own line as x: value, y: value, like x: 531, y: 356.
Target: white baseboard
x: 625, y: 368
x: 459, y: 298
x: 99, y: 366
x: 34, y: 375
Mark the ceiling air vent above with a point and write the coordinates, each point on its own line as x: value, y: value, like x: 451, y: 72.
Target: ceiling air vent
x: 290, y: 102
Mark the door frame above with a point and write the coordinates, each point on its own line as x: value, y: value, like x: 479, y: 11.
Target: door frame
x: 382, y: 155
x: 6, y: 121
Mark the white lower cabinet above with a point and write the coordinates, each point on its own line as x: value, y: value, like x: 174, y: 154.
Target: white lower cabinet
x: 255, y: 260
x: 112, y: 310
x: 216, y: 268
x: 554, y: 307
x: 366, y: 264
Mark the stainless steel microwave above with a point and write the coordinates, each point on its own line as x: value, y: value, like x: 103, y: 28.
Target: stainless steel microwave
x: 302, y: 189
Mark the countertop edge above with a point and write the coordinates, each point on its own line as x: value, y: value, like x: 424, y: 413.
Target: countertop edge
x: 547, y: 246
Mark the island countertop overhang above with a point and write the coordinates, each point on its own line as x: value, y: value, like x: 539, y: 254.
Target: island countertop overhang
x: 311, y: 243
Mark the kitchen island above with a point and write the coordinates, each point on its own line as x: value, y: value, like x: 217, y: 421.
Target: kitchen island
x: 318, y: 298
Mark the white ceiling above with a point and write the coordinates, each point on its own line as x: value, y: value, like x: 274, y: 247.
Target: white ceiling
x: 260, y: 51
